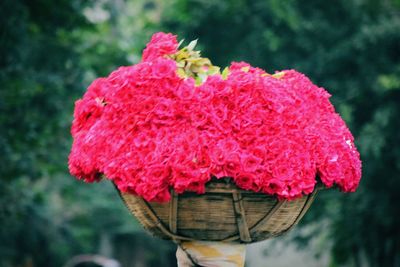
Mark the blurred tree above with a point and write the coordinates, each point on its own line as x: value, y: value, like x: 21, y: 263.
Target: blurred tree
x: 352, y: 48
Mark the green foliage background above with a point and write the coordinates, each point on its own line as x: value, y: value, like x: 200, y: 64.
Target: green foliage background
x: 51, y: 51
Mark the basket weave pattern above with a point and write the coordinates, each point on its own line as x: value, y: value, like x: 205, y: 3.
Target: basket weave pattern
x: 223, y: 213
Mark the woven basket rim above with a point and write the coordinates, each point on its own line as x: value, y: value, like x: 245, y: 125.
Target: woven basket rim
x: 218, y: 187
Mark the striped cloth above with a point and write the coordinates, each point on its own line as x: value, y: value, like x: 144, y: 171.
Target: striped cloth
x: 210, y: 254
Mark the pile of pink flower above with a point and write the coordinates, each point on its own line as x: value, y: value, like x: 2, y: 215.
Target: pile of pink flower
x: 150, y: 130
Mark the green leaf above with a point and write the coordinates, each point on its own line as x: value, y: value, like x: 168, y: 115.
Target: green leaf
x: 192, y: 44
x: 225, y: 73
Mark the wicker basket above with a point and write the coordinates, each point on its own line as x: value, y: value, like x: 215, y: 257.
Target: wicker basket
x: 223, y: 213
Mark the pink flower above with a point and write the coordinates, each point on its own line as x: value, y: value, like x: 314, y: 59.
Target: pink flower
x: 239, y: 65
x: 199, y: 117
x: 250, y: 162
x: 233, y: 166
x: 186, y: 90
x: 204, y: 92
x: 160, y: 44
x: 148, y: 130
x: 247, y: 181
x: 163, y: 68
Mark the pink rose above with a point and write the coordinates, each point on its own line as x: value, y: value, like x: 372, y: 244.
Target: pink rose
x: 149, y: 130
x: 160, y: 44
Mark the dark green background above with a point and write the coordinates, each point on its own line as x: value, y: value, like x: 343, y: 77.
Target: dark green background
x: 51, y: 50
